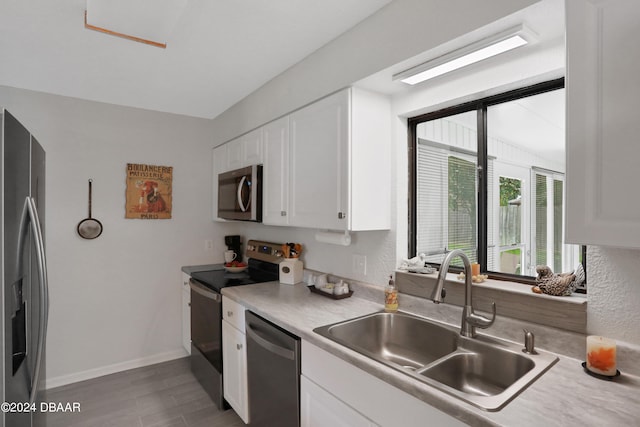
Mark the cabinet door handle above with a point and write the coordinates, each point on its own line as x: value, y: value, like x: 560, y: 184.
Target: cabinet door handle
x: 229, y: 313
x: 239, y: 346
x: 342, y: 215
x: 283, y: 213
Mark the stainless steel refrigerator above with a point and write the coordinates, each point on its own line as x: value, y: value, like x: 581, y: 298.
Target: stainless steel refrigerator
x: 24, y: 298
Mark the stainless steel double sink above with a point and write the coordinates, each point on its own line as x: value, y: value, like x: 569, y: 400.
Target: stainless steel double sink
x: 483, y: 371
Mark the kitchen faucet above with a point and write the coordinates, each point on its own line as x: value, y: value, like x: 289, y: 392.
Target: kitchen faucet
x: 470, y: 320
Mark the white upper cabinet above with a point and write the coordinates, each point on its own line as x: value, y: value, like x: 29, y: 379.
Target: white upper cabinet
x: 603, y: 100
x: 325, y: 166
x: 235, y: 157
x: 319, y: 150
x: 339, y: 175
x: 252, y: 148
x: 245, y: 150
x: 275, y: 172
x: 369, y: 162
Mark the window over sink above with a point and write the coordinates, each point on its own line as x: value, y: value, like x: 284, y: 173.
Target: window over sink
x: 488, y: 177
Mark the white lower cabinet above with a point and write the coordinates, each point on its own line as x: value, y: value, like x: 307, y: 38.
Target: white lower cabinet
x: 234, y: 355
x: 234, y: 369
x: 186, y: 313
x: 319, y: 408
x: 338, y: 393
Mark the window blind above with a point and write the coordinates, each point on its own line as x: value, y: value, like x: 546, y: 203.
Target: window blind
x: 431, y: 203
x: 446, y: 202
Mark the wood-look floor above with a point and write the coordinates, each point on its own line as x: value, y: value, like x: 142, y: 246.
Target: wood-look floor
x: 162, y: 395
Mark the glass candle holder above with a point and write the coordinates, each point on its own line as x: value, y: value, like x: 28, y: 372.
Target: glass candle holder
x: 475, y: 269
x: 601, y: 355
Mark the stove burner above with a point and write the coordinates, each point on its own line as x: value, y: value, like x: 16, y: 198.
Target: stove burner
x: 264, y: 259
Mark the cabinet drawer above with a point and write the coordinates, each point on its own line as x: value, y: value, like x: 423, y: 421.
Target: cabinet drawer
x: 233, y: 313
x: 319, y: 408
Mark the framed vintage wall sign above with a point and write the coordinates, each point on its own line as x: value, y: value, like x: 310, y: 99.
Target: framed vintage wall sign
x: 148, y: 193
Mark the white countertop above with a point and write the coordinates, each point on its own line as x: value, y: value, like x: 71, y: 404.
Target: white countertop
x: 563, y: 396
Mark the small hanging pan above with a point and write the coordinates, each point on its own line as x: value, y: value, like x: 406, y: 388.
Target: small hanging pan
x: 89, y: 228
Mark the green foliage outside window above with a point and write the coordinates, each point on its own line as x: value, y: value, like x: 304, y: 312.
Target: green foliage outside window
x: 462, y: 191
x: 509, y: 190
x: 462, y: 186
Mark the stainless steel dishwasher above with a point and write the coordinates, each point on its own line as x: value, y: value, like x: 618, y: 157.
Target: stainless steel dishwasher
x: 273, y: 371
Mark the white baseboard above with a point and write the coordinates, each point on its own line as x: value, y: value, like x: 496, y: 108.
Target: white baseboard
x: 111, y: 369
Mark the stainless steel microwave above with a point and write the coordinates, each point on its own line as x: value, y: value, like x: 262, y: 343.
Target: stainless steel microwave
x: 240, y: 194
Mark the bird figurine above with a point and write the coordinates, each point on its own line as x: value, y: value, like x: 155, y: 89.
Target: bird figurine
x: 561, y: 284
x: 415, y: 262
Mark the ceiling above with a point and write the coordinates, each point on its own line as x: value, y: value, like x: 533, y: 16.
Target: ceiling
x: 217, y: 53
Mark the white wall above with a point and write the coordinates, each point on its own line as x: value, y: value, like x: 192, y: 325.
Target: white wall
x: 378, y: 246
x: 116, y: 299
x: 614, y: 293
x: 400, y: 30
x: 396, y: 33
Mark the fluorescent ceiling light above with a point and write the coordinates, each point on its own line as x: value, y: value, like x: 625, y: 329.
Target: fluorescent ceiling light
x: 467, y: 55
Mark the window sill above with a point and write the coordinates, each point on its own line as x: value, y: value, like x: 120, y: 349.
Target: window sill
x: 512, y: 300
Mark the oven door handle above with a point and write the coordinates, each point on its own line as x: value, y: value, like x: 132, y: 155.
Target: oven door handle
x: 201, y: 290
x: 268, y: 345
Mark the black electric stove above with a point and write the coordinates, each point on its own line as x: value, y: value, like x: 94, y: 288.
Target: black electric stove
x: 263, y: 266
x: 206, y: 311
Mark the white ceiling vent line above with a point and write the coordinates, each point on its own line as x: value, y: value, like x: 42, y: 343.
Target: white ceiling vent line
x: 144, y: 21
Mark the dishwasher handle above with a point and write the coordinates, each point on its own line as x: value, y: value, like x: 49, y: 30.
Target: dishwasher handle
x: 202, y: 290
x: 268, y: 345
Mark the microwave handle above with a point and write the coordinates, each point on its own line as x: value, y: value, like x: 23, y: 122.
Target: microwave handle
x: 243, y: 208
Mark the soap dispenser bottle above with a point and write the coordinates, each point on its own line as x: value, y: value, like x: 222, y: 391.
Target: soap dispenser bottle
x: 391, y: 297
